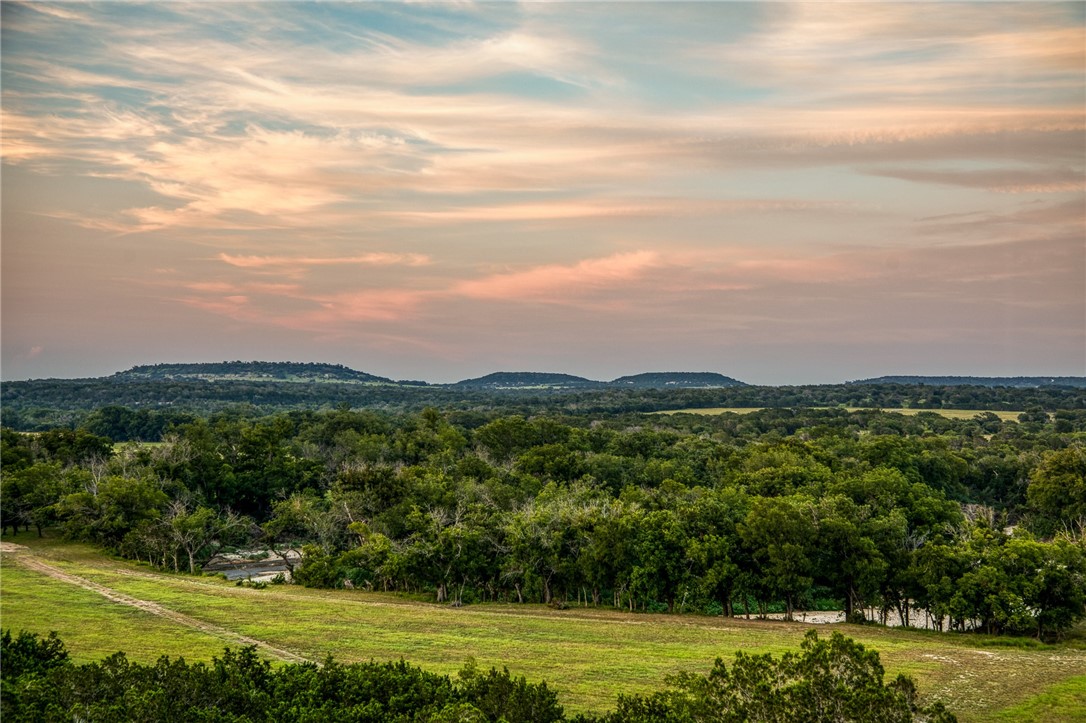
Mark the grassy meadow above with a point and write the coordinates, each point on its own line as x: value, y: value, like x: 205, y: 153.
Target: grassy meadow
x: 588, y: 655
x: 948, y: 413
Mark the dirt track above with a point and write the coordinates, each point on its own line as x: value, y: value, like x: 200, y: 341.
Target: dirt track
x: 22, y: 557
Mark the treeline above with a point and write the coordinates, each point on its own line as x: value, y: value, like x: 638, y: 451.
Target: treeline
x: 828, y: 680
x: 984, y: 381
x: 42, y: 404
x: 976, y: 524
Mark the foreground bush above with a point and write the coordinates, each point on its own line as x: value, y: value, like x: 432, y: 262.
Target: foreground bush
x: 830, y: 680
x: 39, y: 684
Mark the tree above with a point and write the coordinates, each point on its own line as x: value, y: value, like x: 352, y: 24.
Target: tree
x: 504, y: 437
x: 1057, y: 594
x: 663, y: 565
x: 779, y: 532
x: 109, y: 510
x: 540, y: 539
x: 196, y: 530
x: 1057, y: 490
x: 850, y: 559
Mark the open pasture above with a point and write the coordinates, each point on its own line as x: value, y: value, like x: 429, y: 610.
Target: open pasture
x: 588, y: 655
x: 948, y: 413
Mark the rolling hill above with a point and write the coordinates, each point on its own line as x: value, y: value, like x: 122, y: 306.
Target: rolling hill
x: 526, y: 380
x: 253, y: 371
x: 677, y: 380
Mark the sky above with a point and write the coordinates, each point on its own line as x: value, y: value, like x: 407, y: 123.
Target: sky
x: 782, y: 193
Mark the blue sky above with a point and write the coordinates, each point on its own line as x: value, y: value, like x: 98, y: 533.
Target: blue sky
x: 784, y: 193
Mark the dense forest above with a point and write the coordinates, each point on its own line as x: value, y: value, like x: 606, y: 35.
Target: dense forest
x: 973, y: 524
x: 827, y: 680
x: 42, y: 404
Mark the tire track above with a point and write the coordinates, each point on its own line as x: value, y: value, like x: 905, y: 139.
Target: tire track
x: 155, y: 609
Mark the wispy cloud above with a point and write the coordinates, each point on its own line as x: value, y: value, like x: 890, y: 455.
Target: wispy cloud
x: 1001, y: 180
x: 370, y: 259
x: 217, y: 159
x: 829, y: 51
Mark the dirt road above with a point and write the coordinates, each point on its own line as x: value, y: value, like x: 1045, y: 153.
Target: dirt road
x: 21, y: 555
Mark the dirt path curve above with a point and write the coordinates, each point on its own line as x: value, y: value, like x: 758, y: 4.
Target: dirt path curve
x: 33, y: 563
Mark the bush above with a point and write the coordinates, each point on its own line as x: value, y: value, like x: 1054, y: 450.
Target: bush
x: 27, y: 653
x: 830, y: 680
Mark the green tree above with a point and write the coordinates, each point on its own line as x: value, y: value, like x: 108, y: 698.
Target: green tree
x: 850, y: 561
x: 779, y: 533
x: 663, y: 566
x: 1057, y: 491
x: 109, y: 510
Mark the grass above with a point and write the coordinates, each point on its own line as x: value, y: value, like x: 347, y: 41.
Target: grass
x: 92, y: 626
x: 588, y: 655
x: 1065, y: 701
x: 948, y: 413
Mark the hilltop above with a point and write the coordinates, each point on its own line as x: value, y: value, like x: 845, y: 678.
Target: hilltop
x: 677, y: 380
x: 524, y: 380
x: 648, y: 380
x: 254, y: 371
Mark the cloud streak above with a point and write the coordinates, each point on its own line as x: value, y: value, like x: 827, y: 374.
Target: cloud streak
x: 370, y: 259
x: 560, y: 284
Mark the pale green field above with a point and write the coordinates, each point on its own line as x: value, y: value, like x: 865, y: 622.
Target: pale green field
x: 948, y: 413
x: 588, y: 655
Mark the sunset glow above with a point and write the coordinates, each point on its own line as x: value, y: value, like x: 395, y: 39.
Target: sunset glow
x: 783, y: 193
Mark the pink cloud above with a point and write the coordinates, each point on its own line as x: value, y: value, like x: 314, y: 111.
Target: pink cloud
x: 557, y: 283
x: 232, y: 307
x: 553, y: 283
x: 211, y: 287
x: 371, y: 305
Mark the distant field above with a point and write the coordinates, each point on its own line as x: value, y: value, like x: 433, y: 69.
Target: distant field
x: 948, y: 413
x: 588, y: 655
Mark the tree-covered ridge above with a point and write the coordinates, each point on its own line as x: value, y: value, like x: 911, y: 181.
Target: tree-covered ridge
x: 664, y: 380
x: 248, y: 371
x: 47, y: 403
x: 978, y: 381
x: 833, y: 680
x: 515, y: 380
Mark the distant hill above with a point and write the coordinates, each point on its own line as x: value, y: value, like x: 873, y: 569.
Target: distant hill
x: 677, y: 380
x: 1020, y: 382
x: 254, y: 371
x: 524, y: 380
x: 650, y: 380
